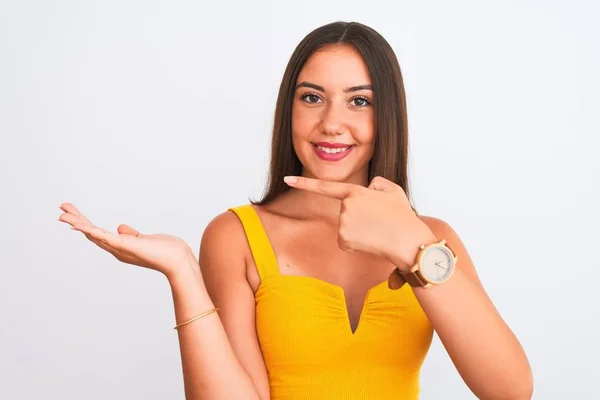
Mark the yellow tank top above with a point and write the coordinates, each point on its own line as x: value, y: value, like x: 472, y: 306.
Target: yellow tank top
x: 308, y: 346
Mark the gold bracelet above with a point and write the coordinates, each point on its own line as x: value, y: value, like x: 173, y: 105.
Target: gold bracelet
x: 204, y: 314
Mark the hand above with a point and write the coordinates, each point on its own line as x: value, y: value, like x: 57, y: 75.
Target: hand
x: 377, y: 220
x: 162, y: 253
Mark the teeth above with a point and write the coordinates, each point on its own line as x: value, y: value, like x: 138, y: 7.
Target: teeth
x: 333, y: 151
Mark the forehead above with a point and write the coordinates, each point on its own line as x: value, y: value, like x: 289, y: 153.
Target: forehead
x: 335, y: 67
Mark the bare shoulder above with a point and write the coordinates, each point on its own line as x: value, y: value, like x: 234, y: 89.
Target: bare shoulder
x: 442, y: 230
x: 226, y: 223
x: 439, y: 227
x: 223, y: 239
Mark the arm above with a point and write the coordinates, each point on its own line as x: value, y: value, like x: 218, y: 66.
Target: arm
x: 211, y: 369
x: 484, y: 350
x: 221, y: 357
x: 215, y: 366
x: 224, y: 254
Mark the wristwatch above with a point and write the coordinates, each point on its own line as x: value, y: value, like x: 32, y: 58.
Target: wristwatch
x: 434, y: 265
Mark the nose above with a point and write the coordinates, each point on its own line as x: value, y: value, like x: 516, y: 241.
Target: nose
x: 333, y: 120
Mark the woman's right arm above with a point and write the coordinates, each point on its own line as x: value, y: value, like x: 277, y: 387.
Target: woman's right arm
x: 221, y: 355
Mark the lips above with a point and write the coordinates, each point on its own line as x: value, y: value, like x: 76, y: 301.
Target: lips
x: 332, y: 151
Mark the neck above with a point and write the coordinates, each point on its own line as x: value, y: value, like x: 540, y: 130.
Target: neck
x: 316, y: 205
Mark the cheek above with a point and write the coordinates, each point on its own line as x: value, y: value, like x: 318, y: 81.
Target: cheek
x: 303, y: 121
x: 366, y: 135
x: 364, y: 131
x: 302, y: 127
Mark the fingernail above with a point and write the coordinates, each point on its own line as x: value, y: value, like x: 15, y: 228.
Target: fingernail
x: 290, y: 179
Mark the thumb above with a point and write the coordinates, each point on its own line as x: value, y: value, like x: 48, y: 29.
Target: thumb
x: 127, y: 230
x: 382, y: 184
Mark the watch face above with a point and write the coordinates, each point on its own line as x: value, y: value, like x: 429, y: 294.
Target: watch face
x: 437, y: 264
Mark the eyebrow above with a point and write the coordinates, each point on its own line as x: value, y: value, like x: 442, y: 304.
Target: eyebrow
x: 347, y: 90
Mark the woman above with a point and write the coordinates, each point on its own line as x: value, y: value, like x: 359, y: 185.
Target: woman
x: 331, y: 285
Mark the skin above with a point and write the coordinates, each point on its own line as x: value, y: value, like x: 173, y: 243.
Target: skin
x: 334, y: 202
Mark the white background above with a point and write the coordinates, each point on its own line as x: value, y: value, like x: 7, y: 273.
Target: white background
x: 158, y: 114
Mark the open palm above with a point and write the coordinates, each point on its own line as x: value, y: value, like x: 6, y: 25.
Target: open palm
x: 160, y: 252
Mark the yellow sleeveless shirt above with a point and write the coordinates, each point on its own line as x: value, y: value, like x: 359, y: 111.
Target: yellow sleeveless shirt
x: 308, y: 346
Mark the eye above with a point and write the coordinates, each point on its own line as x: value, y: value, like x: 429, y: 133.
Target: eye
x: 311, y: 98
x: 360, y: 101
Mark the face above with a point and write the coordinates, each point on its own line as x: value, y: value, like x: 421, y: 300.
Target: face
x: 333, y: 121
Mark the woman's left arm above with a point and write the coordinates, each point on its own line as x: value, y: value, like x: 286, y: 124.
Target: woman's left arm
x: 486, y: 353
x: 379, y: 219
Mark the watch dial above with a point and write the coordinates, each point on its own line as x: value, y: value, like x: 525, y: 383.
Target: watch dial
x: 437, y: 264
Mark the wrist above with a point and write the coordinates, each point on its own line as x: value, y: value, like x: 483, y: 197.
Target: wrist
x: 190, y: 296
x: 187, y: 271
x: 404, y: 255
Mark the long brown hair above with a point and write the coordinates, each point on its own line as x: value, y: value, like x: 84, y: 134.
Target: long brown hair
x: 391, y: 143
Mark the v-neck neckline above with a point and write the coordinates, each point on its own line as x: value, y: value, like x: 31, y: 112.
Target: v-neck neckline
x: 341, y: 291
x: 341, y: 296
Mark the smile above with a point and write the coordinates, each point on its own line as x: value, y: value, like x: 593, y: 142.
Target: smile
x: 332, y: 152
x: 329, y: 150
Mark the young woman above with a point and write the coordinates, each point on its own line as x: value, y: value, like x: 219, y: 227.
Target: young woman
x: 330, y: 286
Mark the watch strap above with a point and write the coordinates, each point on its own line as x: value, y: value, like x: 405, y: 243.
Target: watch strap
x: 413, y: 278
x: 398, y: 278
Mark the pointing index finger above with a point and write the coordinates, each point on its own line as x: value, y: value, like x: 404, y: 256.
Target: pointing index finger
x: 336, y: 190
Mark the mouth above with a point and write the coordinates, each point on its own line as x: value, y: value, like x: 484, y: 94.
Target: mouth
x: 332, y: 151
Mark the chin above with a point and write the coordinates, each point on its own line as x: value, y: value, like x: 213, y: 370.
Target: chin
x: 332, y: 177
x: 332, y: 174
x: 353, y: 168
